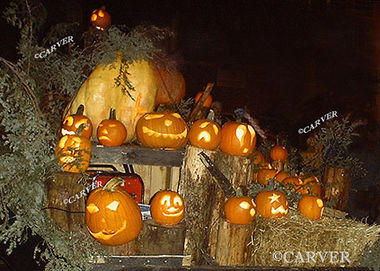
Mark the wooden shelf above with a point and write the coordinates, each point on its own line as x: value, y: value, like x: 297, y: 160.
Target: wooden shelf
x: 133, y: 154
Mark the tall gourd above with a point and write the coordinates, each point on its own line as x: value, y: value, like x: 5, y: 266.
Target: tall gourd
x: 99, y: 94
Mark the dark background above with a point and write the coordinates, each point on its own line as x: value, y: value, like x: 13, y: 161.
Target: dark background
x: 288, y: 61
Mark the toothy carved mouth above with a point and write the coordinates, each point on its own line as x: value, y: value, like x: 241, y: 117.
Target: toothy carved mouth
x: 150, y: 132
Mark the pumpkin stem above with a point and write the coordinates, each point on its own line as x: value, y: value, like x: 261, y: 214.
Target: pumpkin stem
x: 111, y: 185
x: 112, y: 114
x: 80, y: 110
x: 277, y: 141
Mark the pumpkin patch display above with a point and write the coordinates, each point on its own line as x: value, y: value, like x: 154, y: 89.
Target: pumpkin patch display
x: 99, y: 93
x: 271, y: 204
x: 237, y: 139
x: 311, y: 207
x: 112, y: 215
x: 74, y: 153
x: 167, y: 208
x: 162, y: 130
x: 208, y: 101
x: 240, y: 210
x: 71, y: 123
x: 279, y: 153
x: 101, y: 19
x: 171, y: 86
x: 111, y: 132
x: 205, y: 134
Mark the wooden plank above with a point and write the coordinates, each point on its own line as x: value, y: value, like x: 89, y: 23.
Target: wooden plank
x: 174, y: 178
x: 136, y: 155
x: 145, y: 173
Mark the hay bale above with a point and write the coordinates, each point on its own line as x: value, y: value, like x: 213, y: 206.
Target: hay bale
x: 297, y: 241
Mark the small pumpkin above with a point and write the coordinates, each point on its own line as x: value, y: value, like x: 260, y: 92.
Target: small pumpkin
x: 271, y: 204
x: 292, y: 183
x: 171, y: 86
x: 162, y: 130
x: 208, y: 101
x: 281, y: 176
x: 74, y: 153
x: 257, y: 157
x: 72, y: 122
x: 240, y: 210
x: 238, y: 139
x: 258, y: 167
x: 101, y: 19
x: 311, y: 207
x: 112, y: 215
x: 205, y: 134
x: 264, y: 175
x: 310, y: 185
x: 278, y: 153
x: 167, y: 208
x: 111, y: 132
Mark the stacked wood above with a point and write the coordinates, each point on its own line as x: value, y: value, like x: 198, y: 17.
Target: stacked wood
x: 337, y: 184
x: 204, y: 199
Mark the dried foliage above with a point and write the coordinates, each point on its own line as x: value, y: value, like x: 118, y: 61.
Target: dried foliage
x: 33, y: 92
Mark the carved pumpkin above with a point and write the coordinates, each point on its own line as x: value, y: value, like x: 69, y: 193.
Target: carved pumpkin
x: 101, y: 19
x: 71, y: 123
x: 208, y: 101
x: 264, y: 175
x: 281, y: 176
x: 205, y: 134
x: 238, y: 139
x: 240, y: 210
x: 111, y: 132
x: 112, y: 215
x: 167, y: 208
x: 162, y: 130
x: 310, y: 185
x: 171, y: 86
x: 279, y: 153
x: 271, y: 204
x: 99, y: 94
x: 311, y: 207
x: 74, y: 153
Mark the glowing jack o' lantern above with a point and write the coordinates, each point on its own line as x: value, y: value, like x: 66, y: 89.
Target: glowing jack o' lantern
x: 162, y: 130
x: 111, y: 132
x: 238, y: 139
x: 205, y: 134
x: 101, y: 19
x: 167, y: 208
x: 74, y: 153
x: 71, y: 124
x: 112, y: 215
x: 271, y: 204
x: 240, y: 210
x: 311, y: 207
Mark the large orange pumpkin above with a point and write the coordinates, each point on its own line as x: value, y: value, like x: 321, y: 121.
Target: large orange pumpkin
x: 279, y: 153
x: 72, y: 123
x: 171, y: 86
x: 111, y: 132
x: 112, y: 215
x: 74, y: 153
x: 238, y: 139
x: 240, y: 210
x: 101, y: 19
x: 205, y: 134
x: 167, y: 208
x: 271, y: 204
x: 99, y: 94
x: 311, y: 207
x: 162, y: 130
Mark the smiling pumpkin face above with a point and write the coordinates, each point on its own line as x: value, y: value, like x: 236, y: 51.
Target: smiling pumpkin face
x: 112, y: 215
x: 205, y: 134
x: 167, y: 208
x: 162, y: 130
